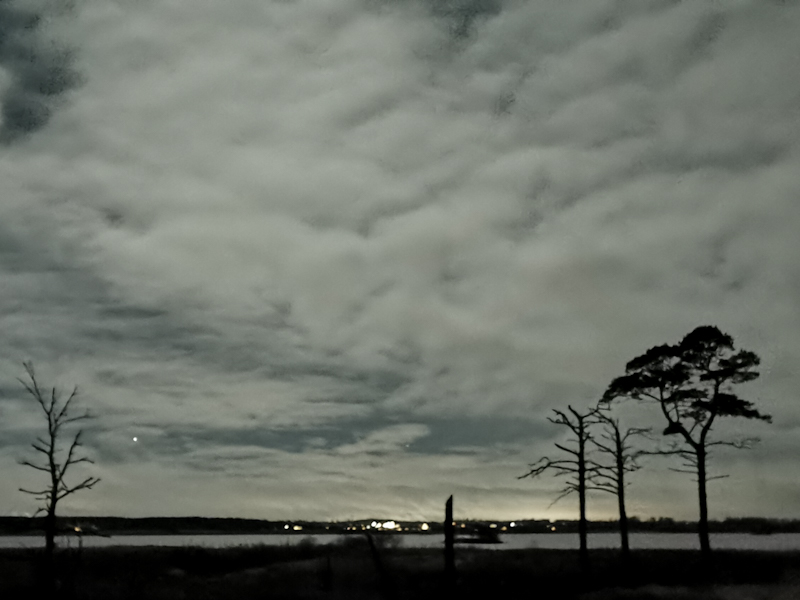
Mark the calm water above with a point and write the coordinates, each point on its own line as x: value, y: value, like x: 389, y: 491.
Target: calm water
x: 560, y: 541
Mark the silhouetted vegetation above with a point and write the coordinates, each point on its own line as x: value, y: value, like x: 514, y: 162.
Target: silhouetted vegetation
x: 449, y: 539
x: 692, y: 385
x: 575, y: 467
x: 614, y: 443
x: 54, y: 460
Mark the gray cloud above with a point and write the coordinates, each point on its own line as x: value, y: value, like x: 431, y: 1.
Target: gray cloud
x: 376, y: 242
x: 462, y: 14
x: 34, y: 71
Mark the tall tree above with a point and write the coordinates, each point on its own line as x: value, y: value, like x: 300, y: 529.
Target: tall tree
x: 614, y: 443
x: 576, y: 468
x: 54, y: 460
x: 692, y: 383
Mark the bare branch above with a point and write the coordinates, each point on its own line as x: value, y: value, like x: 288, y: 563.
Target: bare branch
x: 41, y: 449
x: 70, y: 460
x: 86, y: 484
x: 546, y: 464
x: 565, y: 449
x: 667, y: 452
x: 741, y: 444
x: 63, y: 411
x: 676, y: 470
x: 602, y: 488
x: 651, y: 396
x: 602, y: 447
x: 564, y: 493
x: 33, y: 493
x: 28, y: 463
x: 637, y: 432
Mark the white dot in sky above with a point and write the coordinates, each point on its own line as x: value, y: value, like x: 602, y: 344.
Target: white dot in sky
x: 135, y: 439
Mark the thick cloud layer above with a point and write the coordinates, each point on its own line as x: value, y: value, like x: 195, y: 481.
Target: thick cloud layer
x: 358, y: 250
x: 34, y: 72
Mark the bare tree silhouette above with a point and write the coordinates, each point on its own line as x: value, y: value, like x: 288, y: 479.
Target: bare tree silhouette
x: 692, y: 384
x: 54, y: 461
x: 614, y: 443
x: 576, y: 468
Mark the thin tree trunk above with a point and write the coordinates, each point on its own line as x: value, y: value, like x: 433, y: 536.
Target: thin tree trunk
x: 49, y: 534
x: 582, y: 533
x: 449, y: 539
x: 623, y: 515
x: 702, y: 525
x: 582, y: 529
x: 623, y: 520
x: 49, y: 580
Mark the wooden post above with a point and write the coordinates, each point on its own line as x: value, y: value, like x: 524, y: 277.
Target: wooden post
x: 449, y: 535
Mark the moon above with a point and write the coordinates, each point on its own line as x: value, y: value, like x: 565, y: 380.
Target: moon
x: 135, y: 439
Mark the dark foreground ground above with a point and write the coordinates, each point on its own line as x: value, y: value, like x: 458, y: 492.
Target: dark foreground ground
x: 353, y: 571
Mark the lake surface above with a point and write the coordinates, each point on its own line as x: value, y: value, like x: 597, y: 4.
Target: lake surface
x: 554, y: 541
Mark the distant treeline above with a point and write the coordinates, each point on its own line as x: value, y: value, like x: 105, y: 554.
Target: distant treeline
x: 204, y: 525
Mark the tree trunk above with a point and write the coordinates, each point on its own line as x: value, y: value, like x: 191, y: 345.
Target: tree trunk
x: 582, y: 529
x: 449, y: 539
x: 702, y: 525
x: 50, y: 533
x: 582, y: 533
x: 49, y: 574
x: 623, y: 520
x: 623, y: 515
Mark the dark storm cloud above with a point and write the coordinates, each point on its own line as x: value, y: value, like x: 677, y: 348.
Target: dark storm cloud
x: 462, y: 14
x: 459, y: 16
x: 39, y: 71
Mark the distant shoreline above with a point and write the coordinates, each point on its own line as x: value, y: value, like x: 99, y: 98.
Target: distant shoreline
x: 120, y: 526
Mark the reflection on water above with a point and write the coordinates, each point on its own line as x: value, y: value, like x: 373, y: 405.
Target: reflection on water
x: 554, y: 541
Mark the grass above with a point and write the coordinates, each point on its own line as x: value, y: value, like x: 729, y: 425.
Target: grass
x: 348, y: 570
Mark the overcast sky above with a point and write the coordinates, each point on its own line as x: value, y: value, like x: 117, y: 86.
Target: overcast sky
x: 341, y: 259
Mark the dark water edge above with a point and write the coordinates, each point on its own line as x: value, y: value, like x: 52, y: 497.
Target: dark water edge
x: 779, y: 542
x: 350, y: 570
